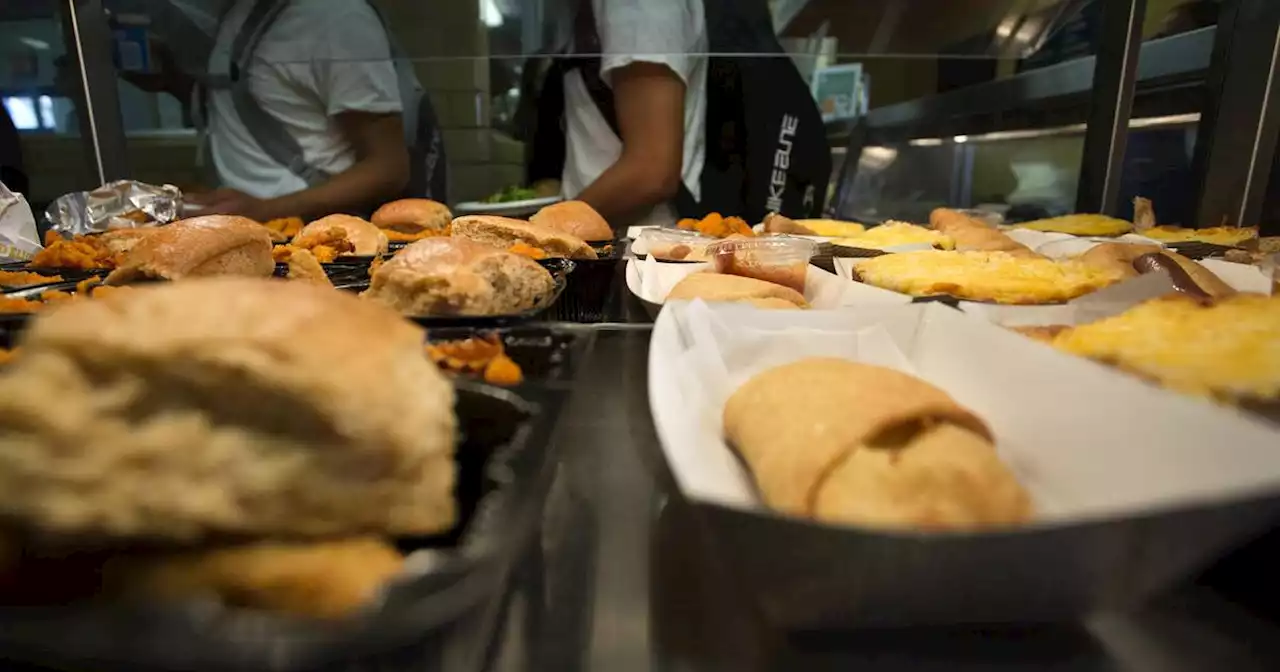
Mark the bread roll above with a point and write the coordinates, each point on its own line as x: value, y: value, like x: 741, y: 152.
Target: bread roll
x: 972, y: 235
x: 412, y: 216
x: 1119, y: 257
x: 839, y: 441
x: 576, y: 219
x: 200, y: 246
x: 449, y: 276
x: 226, y: 406
x: 502, y: 233
x: 367, y: 238
x: 735, y: 288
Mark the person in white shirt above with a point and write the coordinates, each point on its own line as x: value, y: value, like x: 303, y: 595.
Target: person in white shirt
x: 653, y: 58
x: 322, y: 69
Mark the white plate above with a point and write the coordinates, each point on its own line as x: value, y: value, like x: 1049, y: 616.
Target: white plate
x: 507, y: 209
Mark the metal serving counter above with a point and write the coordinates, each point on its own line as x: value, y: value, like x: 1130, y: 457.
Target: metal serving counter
x: 620, y: 584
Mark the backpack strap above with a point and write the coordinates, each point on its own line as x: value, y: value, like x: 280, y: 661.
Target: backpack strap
x: 268, y: 133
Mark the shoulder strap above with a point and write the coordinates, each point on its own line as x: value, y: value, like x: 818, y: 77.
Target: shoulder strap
x: 270, y: 135
x: 585, y: 58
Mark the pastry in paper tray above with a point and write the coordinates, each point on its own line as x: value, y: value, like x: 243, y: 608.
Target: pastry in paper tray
x: 838, y: 441
x: 998, y: 277
x: 893, y: 234
x: 719, y: 287
x: 653, y: 282
x: 1080, y: 225
x: 974, y: 235
x: 1229, y: 350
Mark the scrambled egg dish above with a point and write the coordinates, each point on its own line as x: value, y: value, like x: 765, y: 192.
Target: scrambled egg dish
x: 833, y: 228
x: 1216, y: 235
x: 1230, y: 350
x: 897, y: 233
x: 1081, y: 225
x: 985, y: 276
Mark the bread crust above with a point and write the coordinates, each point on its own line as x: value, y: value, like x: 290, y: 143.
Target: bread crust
x: 412, y: 215
x: 451, y: 276
x: 575, y: 218
x: 226, y: 406
x: 200, y: 246
x: 734, y: 288
x: 503, y: 232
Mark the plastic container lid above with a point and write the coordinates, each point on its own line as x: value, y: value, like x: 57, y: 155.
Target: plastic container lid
x: 666, y: 244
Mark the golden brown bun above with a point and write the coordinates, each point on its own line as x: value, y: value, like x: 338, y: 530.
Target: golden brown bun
x: 835, y: 440
x: 413, y: 215
x: 200, y: 246
x: 226, y: 406
x: 973, y: 235
x: 451, y: 276
x: 367, y: 238
x: 502, y: 233
x: 1120, y: 256
x: 735, y: 288
x: 325, y: 579
x: 576, y: 219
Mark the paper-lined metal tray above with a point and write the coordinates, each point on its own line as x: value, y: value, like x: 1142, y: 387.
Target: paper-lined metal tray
x: 1135, y: 488
x: 504, y: 471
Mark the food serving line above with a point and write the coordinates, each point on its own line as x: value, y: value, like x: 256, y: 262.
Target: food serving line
x: 650, y: 557
x: 632, y: 584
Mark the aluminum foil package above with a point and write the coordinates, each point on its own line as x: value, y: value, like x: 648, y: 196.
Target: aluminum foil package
x: 118, y: 205
x: 19, y: 239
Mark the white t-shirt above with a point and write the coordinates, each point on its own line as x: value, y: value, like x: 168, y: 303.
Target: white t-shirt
x: 670, y: 32
x: 318, y: 59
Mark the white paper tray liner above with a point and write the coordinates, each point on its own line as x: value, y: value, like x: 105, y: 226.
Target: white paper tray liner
x: 1086, y: 441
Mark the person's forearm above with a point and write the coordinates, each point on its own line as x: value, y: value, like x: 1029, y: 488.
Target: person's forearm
x: 369, y: 182
x: 626, y: 189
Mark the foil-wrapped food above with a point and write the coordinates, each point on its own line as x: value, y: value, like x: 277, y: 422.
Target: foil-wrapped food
x: 124, y: 204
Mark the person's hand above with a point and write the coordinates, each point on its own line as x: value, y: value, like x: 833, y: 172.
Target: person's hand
x: 230, y: 202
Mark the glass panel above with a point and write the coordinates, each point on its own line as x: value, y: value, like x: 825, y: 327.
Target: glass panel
x: 481, y: 63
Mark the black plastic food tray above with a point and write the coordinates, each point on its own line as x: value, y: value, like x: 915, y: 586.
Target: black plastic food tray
x: 71, y: 274
x: 544, y: 354
x: 337, y: 272
x: 504, y: 474
x: 589, y: 289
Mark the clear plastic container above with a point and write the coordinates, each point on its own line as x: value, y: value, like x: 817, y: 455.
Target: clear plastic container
x: 673, y: 244
x: 782, y: 260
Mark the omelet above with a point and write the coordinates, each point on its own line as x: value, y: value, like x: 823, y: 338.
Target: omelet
x: 999, y: 277
x: 1081, y: 225
x: 890, y: 234
x: 832, y: 228
x: 1229, y: 350
x: 1230, y: 236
